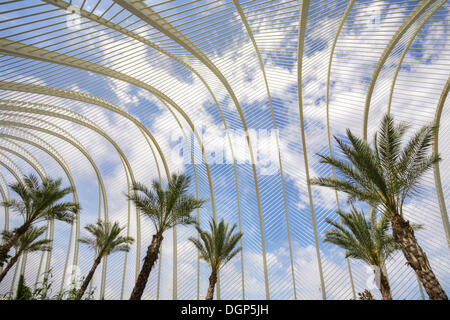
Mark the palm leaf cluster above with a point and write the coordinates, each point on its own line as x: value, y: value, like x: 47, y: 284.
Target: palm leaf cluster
x: 165, y: 208
x: 367, y: 239
x: 385, y: 175
x: 38, y: 200
x: 216, y: 247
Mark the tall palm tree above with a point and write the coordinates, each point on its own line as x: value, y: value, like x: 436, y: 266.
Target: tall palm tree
x: 386, y: 175
x: 365, y: 239
x: 105, y: 239
x: 166, y: 208
x: 216, y: 248
x: 23, y: 291
x: 28, y: 242
x: 38, y: 202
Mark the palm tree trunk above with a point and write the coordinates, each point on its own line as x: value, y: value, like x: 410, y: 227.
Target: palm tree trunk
x: 404, y: 234
x: 5, y: 247
x: 149, y: 261
x: 385, y: 288
x: 89, y: 277
x: 10, y: 264
x: 212, y: 284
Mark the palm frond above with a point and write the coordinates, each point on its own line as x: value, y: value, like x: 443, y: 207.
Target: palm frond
x: 349, y: 187
x: 166, y: 207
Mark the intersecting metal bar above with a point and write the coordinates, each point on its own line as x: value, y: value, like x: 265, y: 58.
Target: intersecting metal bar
x: 89, y: 15
x: 46, y: 109
x: 102, y: 103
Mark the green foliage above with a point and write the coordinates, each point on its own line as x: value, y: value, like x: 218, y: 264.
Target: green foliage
x: 106, y: 238
x: 384, y: 174
x: 218, y: 246
x: 42, y: 289
x: 366, y: 239
x: 166, y: 207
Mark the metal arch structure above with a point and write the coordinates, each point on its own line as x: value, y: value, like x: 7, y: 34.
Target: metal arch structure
x: 136, y: 72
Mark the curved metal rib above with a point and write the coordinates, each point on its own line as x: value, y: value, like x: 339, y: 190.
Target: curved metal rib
x: 437, y: 175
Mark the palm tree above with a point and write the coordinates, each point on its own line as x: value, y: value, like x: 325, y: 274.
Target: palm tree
x: 28, y: 242
x: 166, y: 209
x: 216, y: 248
x: 385, y: 175
x: 106, y: 240
x: 365, y: 239
x: 38, y: 202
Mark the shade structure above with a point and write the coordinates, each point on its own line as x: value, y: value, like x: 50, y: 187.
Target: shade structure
x: 239, y: 95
